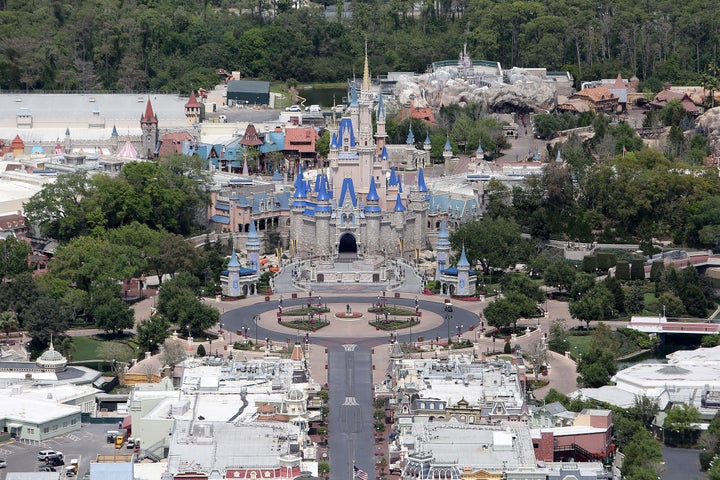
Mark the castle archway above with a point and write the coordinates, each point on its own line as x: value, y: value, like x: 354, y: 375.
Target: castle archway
x: 347, y: 244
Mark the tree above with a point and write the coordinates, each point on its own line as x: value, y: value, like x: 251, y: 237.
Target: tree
x: 118, y: 354
x: 644, y: 409
x: 492, y: 243
x: 13, y: 257
x: 201, y: 351
x: 557, y: 341
x: 671, y: 305
x: 596, y: 367
x: 173, y: 352
x: 560, y: 274
x: 44, y: 318
x: 504, y: 311
x: 643, y: 453
x: 681, y: 425
x: 538, y: 357
x: 521, y: 283
x: 152, y: 332
x: 596, y: 304
x: 180, y: 305
x: 8, y: 322
x: 60, y: 208
x: 109, y: 311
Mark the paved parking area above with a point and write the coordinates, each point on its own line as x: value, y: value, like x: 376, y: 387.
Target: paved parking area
x: 84, y: 444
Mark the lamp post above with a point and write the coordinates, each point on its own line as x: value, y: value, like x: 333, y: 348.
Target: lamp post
x: 256, y: 318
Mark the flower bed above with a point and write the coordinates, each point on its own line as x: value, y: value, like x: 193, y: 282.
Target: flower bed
x: 392, y: 310
x: 348, y: 315
x: 393, y: 324
x: 308, y: 325
x: 304, y: 311
x: 467, y: 299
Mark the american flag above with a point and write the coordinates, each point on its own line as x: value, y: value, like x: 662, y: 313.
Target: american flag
x: 361, y: 474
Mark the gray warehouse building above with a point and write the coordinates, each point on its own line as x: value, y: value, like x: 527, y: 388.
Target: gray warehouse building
x: 248, y: 92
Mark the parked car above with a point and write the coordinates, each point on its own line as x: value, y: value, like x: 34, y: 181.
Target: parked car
x: 339, y: 108
x: 3, y: 463
x: 55, y: 462
x: 293, y: 108
x: 48, y: 454
x: 314, y: 108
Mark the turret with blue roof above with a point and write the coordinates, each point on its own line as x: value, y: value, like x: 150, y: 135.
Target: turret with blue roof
x: 372, y: 198
x: 399, y: 207
x: 421, y: 181
x: 410, y: 136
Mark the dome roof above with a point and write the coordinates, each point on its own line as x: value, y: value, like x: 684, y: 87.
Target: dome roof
x: 51, y: 359
x: 295, y: 395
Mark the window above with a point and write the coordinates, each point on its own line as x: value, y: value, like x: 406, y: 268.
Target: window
x: 55, y: 426
x: 65, y: 424
x: 46, y: 429
x: 31, y: 430
x: 73, y: 421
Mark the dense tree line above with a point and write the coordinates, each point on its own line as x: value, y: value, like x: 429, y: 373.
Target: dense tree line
x: 177, y: 44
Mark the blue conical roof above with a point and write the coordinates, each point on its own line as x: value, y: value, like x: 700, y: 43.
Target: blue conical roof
x: 463, y: 262
x: 253, y: 239
x: 333, y: 141
x: 427, y: 138
x: 400, y: 184
x: 318, y: 179
x: 381, y: 108
x: 479, y: 150
x: 233, y: 260
x: 114, y: 132
x: 393, y: 177
x: 372, y: 195
x: 322, y: 193
x: 448, y: 146
x: 399, y: 207
x: 421, y: 181
x: 410, y: 137
x: 347, y: 192
x: 346, y: 126
x: 383, y: 153
x: 67, y: 132
x: 443, y: 236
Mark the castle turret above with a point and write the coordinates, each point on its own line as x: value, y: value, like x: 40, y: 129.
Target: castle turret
x: 115, y: 138
x: 427, y: 145
x: 447, y: 154
x: 297, y: 206
x: 443, y: 249
x: 150, y: 132
x: 380, y: 117
x: 192, y: 110
x: 323, y: 212
x: 67, y: 143
x: 463, y: 269
x: 373, y: 215
x: 253, y: 247
x: 233, y: 285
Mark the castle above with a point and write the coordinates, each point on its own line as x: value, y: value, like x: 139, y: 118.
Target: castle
x: 358, y: 204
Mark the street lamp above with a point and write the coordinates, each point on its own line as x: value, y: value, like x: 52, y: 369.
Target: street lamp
x: 256, y: 318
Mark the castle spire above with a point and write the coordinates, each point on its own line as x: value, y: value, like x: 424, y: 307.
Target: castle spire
x: 366, y: 87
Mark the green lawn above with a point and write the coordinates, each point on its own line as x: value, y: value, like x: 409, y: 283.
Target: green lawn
x: 578, y: 344
x: 86, y: 348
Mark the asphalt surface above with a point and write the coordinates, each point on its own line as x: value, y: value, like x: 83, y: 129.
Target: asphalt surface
x: 84, y: 444
x: 350, y: 419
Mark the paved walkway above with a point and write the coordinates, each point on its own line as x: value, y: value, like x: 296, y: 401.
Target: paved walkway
x: 562, y: 376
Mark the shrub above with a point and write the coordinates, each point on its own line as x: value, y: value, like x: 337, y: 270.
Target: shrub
x: 622, y: 270
x: 589, y: 263
x: 201, y: 351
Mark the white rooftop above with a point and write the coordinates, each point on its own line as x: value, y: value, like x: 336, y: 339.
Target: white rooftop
x: 33, y: 411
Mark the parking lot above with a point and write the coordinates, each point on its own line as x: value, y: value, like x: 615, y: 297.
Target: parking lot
x: 84, y: 444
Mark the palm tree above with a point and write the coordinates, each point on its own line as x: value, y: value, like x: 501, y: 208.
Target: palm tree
x: 65, y: 346
x: 8, y: 322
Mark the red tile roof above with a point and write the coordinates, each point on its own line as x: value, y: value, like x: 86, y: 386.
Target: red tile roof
x: 17, y: 142
x: 149, y: 116
x: 300, y: 139
x: 251, y: 137
x: 172, y: 143
x: 596, y: 94
x: 192, y: 103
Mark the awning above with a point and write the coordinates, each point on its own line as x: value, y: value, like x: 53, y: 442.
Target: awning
x: 14, y: 425
x: 127, y: 422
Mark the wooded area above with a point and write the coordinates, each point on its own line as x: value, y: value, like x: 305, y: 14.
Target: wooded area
x: 176, y: 45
